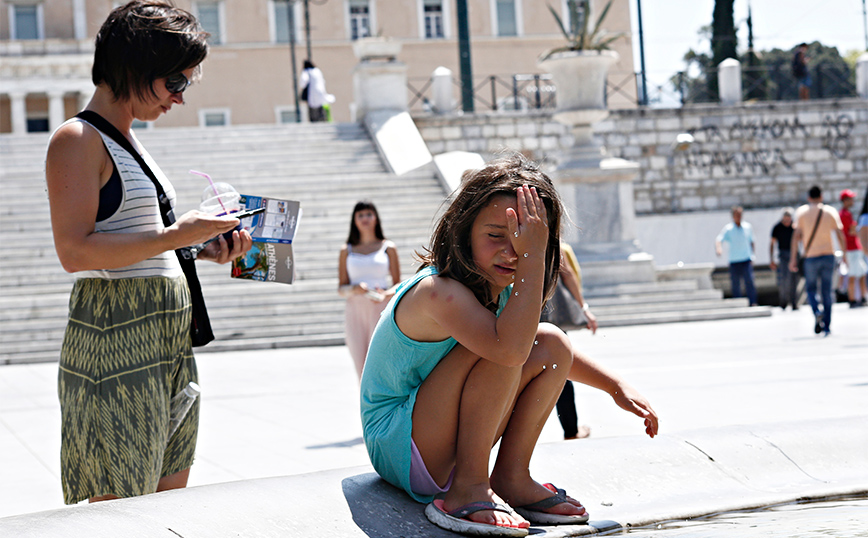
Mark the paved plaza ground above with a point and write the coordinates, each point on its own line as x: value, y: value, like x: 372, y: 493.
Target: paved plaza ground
x: 294, y: 411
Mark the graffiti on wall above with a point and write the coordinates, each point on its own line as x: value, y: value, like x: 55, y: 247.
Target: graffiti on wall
x: 834, y: 132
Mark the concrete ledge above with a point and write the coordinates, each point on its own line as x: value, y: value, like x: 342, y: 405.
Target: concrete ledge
x: 623, y: 481
x: 398, y: 140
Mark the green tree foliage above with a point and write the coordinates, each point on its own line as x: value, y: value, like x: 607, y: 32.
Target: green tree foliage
x: 723, y: 39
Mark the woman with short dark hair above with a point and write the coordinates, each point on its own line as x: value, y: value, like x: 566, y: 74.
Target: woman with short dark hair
x: 127, y: 349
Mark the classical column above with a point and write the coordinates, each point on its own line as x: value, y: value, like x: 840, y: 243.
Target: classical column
x: 18, y: 112
x: 56, y: 112
x: 79, y: 19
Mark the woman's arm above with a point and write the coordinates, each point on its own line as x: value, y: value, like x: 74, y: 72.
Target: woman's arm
x: 394, y: 270
x: 75, y: 166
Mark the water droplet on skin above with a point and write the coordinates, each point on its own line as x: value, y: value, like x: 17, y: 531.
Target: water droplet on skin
x: 544, y: 366
x: 536, y: 342
x: 516, y: 293
x: 513, y: 277
x: 521, y: 279
x: 554, y: 366
x: 525, y: 254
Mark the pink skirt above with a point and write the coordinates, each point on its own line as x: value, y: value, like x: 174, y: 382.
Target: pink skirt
x: 362, y: 315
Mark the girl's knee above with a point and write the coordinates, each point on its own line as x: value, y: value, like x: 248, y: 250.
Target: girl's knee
x: 552, y: 349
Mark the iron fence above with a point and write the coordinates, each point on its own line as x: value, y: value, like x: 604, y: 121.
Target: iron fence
x: 519, y: 92
x: 524, y: 92
x: 769, y: 83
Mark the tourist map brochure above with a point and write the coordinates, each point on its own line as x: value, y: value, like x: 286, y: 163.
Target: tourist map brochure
x: 270, y: 259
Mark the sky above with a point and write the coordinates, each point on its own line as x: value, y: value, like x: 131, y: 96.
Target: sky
x: 671, y: 28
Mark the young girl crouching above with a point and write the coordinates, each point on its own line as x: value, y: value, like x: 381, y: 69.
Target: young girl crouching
x: 459, y: 361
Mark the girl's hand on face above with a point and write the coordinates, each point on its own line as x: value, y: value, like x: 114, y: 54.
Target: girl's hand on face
x: 528, y: 228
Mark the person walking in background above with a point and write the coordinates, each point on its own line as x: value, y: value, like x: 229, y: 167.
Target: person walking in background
x: 782, y: 236
x: 571, y: 277
x: 739, y: 235
x: 127, y: 348
x: 862, y: 226
x: 314, y: 92
x: 853, y: 251
x: 801, y: 72
x: 815, y: 223
x: 368, y: 271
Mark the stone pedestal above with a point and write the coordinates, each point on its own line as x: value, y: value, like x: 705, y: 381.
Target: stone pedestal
x: 597, y: 190
x: 599, y: 201
x: 379, y: 79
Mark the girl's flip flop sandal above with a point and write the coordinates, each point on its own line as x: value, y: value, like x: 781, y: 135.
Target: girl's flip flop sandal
x: 456, y: 519
x: 536, y: 514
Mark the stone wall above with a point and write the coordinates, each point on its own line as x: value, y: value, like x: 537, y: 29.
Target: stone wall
x: 756, y: 155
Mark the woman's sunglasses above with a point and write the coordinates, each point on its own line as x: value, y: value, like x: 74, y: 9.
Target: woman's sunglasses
x: 177, y: 83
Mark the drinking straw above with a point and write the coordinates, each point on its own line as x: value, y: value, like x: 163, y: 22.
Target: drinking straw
x: 213, y: 186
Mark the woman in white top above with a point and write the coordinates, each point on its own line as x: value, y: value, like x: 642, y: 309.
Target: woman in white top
x: 368, y: 271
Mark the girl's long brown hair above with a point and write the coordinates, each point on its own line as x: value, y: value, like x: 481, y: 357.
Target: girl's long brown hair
x: 450, y: 250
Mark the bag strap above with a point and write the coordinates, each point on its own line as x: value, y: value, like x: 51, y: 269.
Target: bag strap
x: 200, y: 328
x: 103, y: 125
x: 813, y: 233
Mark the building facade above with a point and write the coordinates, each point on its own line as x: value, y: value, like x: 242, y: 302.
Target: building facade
x: 46, y: 49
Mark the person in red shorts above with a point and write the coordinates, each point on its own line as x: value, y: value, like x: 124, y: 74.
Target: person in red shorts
x: 855, y: 259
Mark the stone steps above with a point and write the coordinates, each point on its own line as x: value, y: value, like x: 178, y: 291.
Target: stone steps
x: 328, y: 168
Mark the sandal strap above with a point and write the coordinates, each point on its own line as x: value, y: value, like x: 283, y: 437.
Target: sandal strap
x: 471, y: 508
x: 559, y: 497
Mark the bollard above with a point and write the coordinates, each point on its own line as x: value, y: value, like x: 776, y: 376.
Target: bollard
x: 729, y: 81
x: 442, y: 90
x: 862, y: 75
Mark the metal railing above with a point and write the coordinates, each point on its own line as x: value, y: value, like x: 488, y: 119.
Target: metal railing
x: 771, y: 83
x: 524, y: 92
x: 519, y: 92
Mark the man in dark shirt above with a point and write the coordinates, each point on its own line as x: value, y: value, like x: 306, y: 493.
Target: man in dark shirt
x: 782, y: 235
x: 800, y: 71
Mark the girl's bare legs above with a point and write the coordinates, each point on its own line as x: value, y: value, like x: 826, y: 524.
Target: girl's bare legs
x: 173, y: 481
x: 459, y: 412
x: 542, y: 379
x: 493, y: 401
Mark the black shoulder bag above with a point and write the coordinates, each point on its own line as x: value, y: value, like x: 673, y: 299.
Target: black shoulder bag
x: 200, y: 328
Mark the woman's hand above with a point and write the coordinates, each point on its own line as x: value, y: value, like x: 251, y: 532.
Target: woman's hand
x: 195, y: 227
x: 218, y: 251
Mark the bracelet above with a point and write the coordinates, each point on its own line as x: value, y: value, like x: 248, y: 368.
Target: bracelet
x: 586, y: 307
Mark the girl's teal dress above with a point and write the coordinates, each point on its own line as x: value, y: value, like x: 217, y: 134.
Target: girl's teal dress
x: 394, y: 370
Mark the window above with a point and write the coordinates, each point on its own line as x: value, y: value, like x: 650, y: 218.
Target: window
x: 281, y: 20
x: 507, y: 23
x: 214, y: 117
x: 26, y: 21
x: 37, y: 125
x: 577, y: 16
x: 360, y: 19
x: 211, y: 20
x: 433, y: 11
